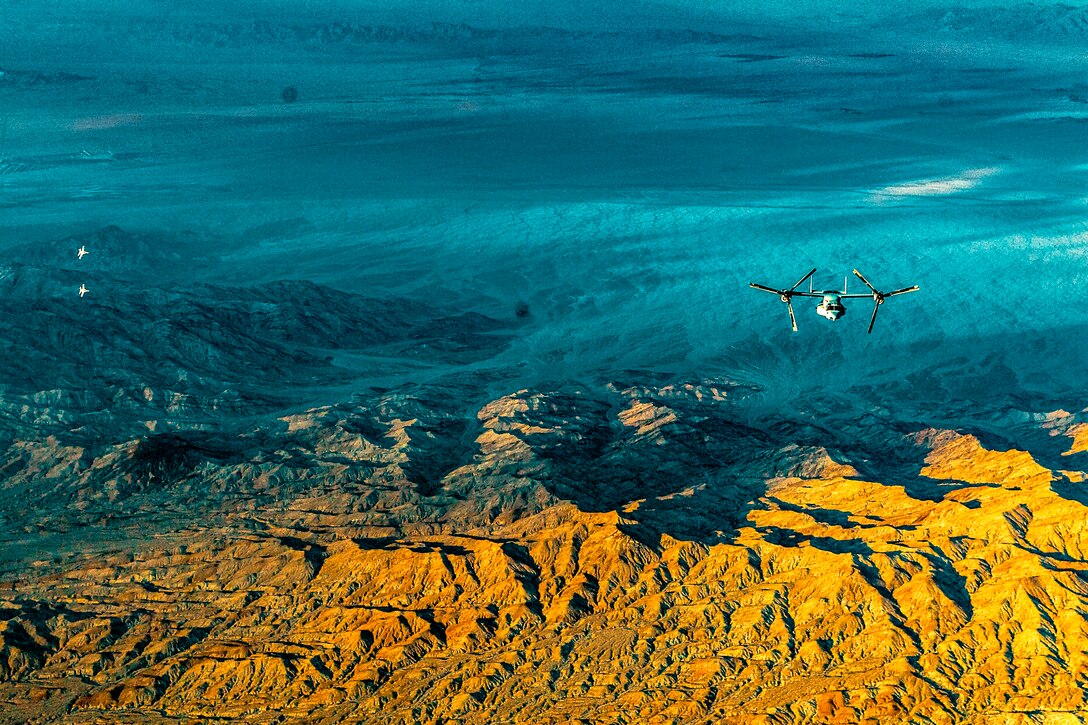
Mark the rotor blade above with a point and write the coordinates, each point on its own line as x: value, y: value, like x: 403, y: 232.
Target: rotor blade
x: 803, y: 279
x: 876, y: 309
x: 765, y: 288
x: 902, y: 291
x: 859, y: 276
x: 793, y: 319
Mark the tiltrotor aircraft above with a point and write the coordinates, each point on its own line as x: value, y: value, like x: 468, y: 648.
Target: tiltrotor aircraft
x: 831, y: 305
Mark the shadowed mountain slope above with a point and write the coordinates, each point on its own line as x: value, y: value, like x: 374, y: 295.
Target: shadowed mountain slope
x: 621, y: 553
x: 183, y: 354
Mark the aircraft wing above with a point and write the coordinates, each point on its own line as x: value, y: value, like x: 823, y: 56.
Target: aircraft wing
x: 868, y: 296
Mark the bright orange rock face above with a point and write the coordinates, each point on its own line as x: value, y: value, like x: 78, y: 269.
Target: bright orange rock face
x: 629, y: 554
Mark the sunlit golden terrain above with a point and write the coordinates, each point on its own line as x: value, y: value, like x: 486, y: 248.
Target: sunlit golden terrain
x: 624, y: 554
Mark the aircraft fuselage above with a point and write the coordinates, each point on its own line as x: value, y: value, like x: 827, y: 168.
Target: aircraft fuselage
x: 831, y: 306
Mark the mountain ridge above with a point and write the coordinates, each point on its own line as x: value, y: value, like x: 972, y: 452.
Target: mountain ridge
x: 335, y: 575
x: 176, y: 351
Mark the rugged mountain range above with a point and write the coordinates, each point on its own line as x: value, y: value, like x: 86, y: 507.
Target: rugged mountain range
x: 229, y: 493
x: 624, y: 552
x: 188, y: 536
x: 153, y: 346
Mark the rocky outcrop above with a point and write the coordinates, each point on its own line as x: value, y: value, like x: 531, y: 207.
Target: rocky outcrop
x: 622, y: 553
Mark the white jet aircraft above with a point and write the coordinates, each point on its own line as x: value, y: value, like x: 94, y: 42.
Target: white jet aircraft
x: 83, y: 290
x: 81, y: 252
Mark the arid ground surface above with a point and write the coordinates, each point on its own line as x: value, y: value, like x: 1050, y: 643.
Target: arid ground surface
x: 419, y: 379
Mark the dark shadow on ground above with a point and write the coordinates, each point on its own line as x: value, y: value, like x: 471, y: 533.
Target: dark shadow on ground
x: 791, y: 538
x: 1071, y: 490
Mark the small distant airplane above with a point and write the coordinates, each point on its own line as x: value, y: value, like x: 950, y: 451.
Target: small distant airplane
x: 831, y: 305
x: 83, y: 290
x: 81, y: 252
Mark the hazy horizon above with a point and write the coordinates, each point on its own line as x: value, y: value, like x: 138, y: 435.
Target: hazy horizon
x: 626, y: 188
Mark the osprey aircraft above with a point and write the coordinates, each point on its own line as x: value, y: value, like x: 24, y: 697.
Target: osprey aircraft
x: 831, y: 305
